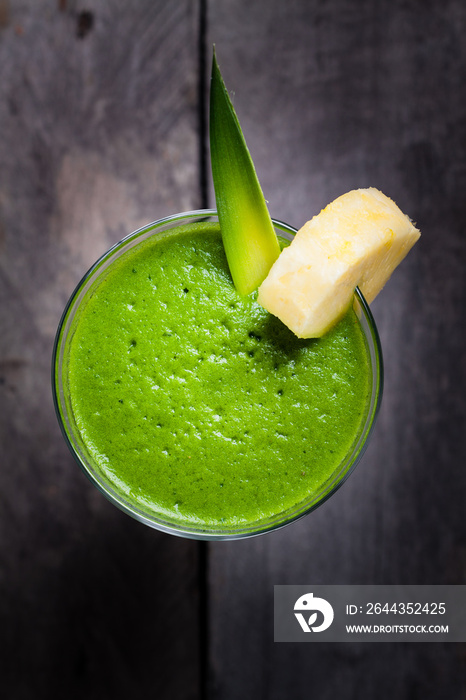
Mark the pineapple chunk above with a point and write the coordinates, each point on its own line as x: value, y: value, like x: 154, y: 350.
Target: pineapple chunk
x: 357, y: 240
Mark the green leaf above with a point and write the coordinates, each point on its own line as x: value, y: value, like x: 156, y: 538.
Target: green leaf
x: 249, y: 238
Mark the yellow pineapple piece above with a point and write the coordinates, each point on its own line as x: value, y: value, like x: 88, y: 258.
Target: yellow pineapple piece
x: 357, y: 240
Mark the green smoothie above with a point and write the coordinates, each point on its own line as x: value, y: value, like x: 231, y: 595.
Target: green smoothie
x: 197, y: 405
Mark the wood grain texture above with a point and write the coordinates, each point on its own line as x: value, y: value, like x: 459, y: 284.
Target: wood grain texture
x: 334, y: 96
x: 98, y: 135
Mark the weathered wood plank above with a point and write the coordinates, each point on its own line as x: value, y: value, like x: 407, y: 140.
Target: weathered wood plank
x: 333, y: 96
x: 98, y: 135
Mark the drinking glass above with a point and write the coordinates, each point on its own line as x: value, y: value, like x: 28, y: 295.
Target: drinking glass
x: 76, y: 441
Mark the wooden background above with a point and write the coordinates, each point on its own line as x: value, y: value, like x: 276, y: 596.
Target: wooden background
x: 103, y: 129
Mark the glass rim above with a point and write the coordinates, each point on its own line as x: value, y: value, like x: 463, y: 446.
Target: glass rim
x: 273, y: 523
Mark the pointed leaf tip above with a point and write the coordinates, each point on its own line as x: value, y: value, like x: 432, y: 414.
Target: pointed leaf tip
x: 249, y: 238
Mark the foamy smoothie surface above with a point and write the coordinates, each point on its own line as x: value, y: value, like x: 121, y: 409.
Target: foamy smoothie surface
x: 197, y: 404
